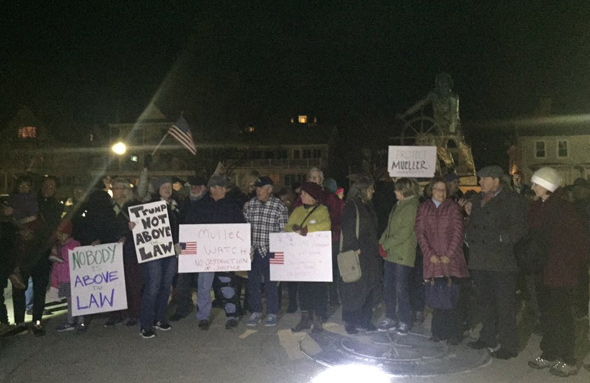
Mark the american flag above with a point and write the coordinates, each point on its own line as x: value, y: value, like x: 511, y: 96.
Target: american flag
x: 182, y: 132
x: 279, y: 259
x: 188, y: 248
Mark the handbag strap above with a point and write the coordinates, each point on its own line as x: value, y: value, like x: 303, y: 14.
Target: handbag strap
x: 308, y: 214
x: 357, y: 224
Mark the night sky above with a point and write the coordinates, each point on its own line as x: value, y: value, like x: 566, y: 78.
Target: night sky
x: 228, y: 64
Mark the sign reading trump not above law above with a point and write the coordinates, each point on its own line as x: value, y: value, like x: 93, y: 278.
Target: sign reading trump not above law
x: 152, y: 233
x: 214, y: 247
x: 412, y: 161
x: 97, y: 279
x: 301, y: 259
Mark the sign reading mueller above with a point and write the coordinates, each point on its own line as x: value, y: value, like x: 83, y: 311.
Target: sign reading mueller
x: 412, y: 161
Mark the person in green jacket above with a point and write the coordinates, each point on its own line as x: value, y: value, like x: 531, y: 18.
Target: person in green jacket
x: 398, y: 246
x: 307, y: 218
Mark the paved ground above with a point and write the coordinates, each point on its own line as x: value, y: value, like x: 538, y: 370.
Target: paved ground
x: 187, y: 354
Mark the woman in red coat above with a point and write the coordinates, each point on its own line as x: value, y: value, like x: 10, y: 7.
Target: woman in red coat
x: 439, y: 230
x: 554, y: 222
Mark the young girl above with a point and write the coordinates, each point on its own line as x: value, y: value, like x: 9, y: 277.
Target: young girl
x: 62, y: 271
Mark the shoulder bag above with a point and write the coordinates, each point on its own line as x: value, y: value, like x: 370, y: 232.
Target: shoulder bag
x: 348, y: 261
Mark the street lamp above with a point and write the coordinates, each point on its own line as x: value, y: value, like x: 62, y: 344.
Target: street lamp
x: 119, y: 148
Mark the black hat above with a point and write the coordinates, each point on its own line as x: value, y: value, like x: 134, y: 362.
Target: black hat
x: 217, y: 181
x: 493, y: 171
x: 263, y: 181
x: 196, y: 181
x: 313, y: 189
x: 177, y: 180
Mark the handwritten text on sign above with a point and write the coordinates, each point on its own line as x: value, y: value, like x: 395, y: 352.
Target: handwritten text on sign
x: 412, y: 161
x: 214, y: 247
x: 97, y: 278
x: 152, y: 233
x: 301, y: 259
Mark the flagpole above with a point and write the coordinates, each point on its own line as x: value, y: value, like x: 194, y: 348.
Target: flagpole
x: 159, y: 144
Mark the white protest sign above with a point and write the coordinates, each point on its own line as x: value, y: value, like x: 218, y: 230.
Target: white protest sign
x: 152, y: 233
x: 97, y: 279
x: 412, y: 161
x: 214, y: 247
x: 301, y: 259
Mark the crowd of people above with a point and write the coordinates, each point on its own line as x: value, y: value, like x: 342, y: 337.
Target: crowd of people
x: 431, y: 247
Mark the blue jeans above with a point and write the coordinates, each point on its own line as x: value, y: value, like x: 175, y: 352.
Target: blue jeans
x: 260, y: 270
x: 396, y: 288
x: 157, y: 281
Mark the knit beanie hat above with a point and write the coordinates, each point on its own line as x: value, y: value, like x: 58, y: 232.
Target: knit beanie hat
x: 547, y: 178
x: 331, y: 185
x: 313, y: 189
x: 158, y: 182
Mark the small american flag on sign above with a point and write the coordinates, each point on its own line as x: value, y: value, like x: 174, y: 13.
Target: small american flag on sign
x: 279, y: 259
x: 188, y: 248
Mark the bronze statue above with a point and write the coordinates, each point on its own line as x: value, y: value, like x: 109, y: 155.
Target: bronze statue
x: 445, y: 106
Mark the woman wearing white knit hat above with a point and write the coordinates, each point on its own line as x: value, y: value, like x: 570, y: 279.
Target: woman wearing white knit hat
x: 556, y: 226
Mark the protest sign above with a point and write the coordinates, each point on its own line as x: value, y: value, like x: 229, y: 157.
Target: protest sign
x: 152, y: 233
x: 214, y: 247
x: 301, y: 259
x: 412, y: 161
x: 97, y: 279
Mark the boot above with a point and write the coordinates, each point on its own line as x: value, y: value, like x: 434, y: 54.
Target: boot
x: 304, y: 323
x: 317, y: 324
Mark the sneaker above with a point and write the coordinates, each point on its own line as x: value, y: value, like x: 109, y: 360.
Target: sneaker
x: 81, y: 329
x: 271, y: 320
x: 367, y: 328
x: 38, y: 329
x: 176, y: 317
x: 147, y: 333
x: 162, y: 326
x: 504, y: 354
x: 131, y: 322
x: 419, y: 317
x: 112, y: 322
x: 403, y: 329
x: 539, y: 363
x: 204, y: 324
x: 65, y: 327
x: 387, y: 324
x: 563, y: 370
x: 231, y: 323
x: 254, y: 320
x: 20, y: 329
x: 350, y: 328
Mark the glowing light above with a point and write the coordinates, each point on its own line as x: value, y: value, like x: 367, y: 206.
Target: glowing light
x: 352, y: 373
x: 302, y: 119
x: 119, y: 148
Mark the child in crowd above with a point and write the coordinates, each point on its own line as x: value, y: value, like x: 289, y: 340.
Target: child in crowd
x: 60, y: 255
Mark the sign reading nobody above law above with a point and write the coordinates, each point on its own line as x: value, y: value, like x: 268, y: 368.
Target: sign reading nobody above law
x: 152, y: 233
x: 97, y: 279
x: 412, y: 161
x: 214, y: 247
x: 301, y: 259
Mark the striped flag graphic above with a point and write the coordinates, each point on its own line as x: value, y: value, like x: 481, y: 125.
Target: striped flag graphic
x: 188, y: 248
x: 279, y: 259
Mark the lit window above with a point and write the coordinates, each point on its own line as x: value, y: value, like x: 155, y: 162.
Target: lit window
x: 540, y: 149
x: 302, y: 119
x: 562, y: 148
x: 27, y: 132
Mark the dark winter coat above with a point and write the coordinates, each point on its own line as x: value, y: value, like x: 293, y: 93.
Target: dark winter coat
x: 440, y: 233
x: 565, y: 237
x: 355, y: 294
x: 494, y: 229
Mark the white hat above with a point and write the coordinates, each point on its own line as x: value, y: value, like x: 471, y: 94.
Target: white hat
x: 547, y: 178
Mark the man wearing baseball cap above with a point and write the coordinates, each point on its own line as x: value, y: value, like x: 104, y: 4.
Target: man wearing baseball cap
x: 497, y: 222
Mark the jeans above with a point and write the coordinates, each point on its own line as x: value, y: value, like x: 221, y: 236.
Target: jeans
x: 205, y: 283
x: 183, y: 294
x: 260, y: 270
x: 157, y: 282
x: 396, y: 288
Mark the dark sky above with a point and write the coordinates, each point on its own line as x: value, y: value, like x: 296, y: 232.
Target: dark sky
x: 229, y: 63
